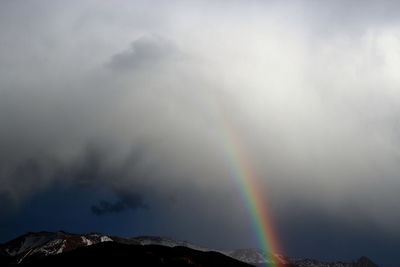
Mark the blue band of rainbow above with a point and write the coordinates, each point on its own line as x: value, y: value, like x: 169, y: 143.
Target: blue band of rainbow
x: 250, y: 185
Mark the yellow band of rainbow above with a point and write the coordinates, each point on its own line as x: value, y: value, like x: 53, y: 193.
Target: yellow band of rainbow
x: 249, y: 184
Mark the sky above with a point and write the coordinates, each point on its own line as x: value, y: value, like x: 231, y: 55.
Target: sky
x: 112, y: 119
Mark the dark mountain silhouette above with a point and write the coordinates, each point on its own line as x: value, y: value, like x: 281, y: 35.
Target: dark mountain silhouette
x: 117, y: 254
x: 65, y: 249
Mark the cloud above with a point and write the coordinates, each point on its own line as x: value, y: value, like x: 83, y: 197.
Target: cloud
x: 145, y: 52
x: 126, y: 201
x: 100, y: 95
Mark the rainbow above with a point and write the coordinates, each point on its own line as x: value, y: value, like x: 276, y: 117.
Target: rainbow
x: 249, y: 184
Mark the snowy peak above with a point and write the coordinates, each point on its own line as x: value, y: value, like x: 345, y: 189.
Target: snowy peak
x: 34, y: 245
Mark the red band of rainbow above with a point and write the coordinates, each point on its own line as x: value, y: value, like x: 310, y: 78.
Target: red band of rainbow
x: 250, y: 186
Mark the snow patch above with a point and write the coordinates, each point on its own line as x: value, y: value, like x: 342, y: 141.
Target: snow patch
x: 61, y: 249
x: 249, y: 256
x: 21, y: 259
x: 86, y: 241
x: 105, y: 239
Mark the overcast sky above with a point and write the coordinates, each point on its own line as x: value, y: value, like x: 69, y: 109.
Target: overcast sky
x: 112, y: 119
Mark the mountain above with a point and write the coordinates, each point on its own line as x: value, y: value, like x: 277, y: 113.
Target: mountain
x: 118, y: 254
x: 54, y: 248
x: 36, y: 245
x: 258, y: 258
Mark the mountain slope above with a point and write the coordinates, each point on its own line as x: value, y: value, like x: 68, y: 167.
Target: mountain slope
x: 37, y: 245
x: 117, y: 254
x: 43, y: 246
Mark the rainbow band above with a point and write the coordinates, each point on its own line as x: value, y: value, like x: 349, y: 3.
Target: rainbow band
x: 250, y: 186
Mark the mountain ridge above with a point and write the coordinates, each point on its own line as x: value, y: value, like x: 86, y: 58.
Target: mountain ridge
x: 34, y: 246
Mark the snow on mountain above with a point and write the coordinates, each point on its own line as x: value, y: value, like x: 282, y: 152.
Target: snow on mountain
x: 48, y: 243
x: 86, y: 241
x: 105, y: 238
x: 249, y: 255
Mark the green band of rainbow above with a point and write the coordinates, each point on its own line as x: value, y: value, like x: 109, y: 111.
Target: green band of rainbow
x: 250, y: 185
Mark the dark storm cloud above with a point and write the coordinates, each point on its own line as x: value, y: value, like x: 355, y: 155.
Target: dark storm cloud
x: 7, y: 204
x: 60, y: 90
x: 144, y: 52
x: 127, y: 201
x: 90, y: 168
x: 310, y: 89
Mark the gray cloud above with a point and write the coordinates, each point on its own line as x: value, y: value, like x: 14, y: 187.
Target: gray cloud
x: 127, y: 201
x: 144, y: 52
x: 309, y: 89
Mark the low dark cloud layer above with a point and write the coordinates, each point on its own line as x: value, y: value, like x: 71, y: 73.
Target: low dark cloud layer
x: 127, y: 201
